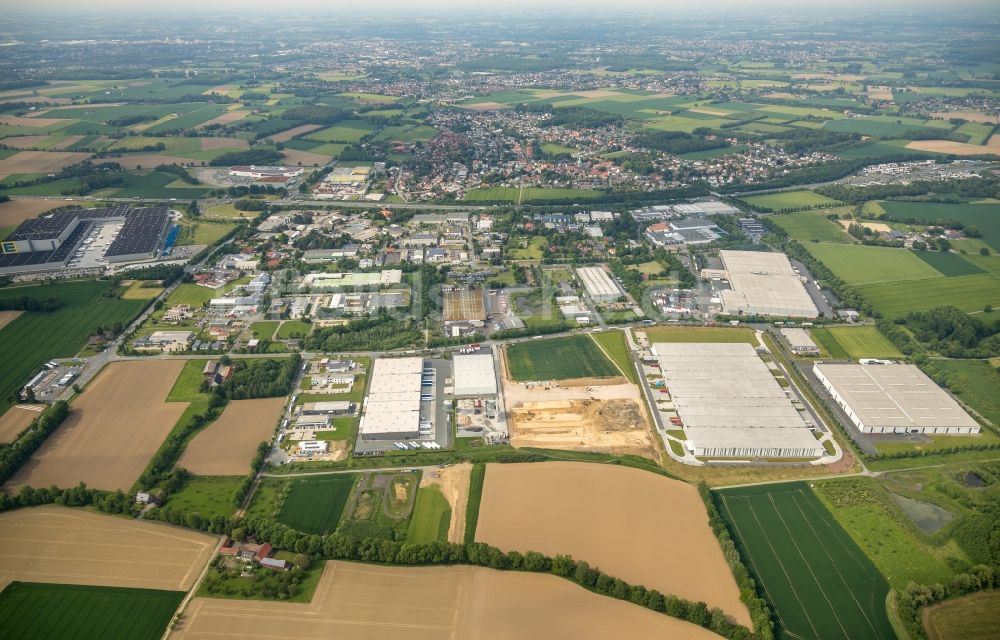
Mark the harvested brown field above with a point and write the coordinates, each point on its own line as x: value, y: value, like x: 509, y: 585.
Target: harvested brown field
x: 288, y: 134
x: 358, y: 601
x: 226, y: 447
x: 16, y: 121
x: 879, y: 92
x: 6, y: 317
x: 39, y: 161
x: 877, y: 227
x: 971, y: 116
x: 149, y: 160
x: 211, y: 144
x: 73, y: 546
x: 14, y: 212
x: 710, y: 112
x: 24, y: 142
x: 113, y: 429
x: 228, y: 117
x: 957, y: 148
x: 638, y: 526
x: 304, y: 158
x: 16, y: 419
x: 453, y: 481
x: 610, y: 426
x: 487, y: 106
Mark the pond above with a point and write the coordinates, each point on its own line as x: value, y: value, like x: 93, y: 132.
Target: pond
x: 928, y: 517
x: 974, y: 480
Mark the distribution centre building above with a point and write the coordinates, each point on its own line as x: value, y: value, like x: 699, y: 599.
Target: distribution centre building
x: 731, y: 405
x: 893, y: 398
x: 764, y: 283
x: 599, y: 285
x: 392, y: 408
x: 475, y: 375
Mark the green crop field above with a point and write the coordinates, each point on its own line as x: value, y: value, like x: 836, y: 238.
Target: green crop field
x: 819, y: 582
x: 558, y: 359
x: 208, y: 496
x: 30, y: 611
x: 347, y: 131
x: 985, y: 217
x: 971, y: 617
x: 789, y: 200
x: 613, y: 343
x: 857, y: 264
x: 949, y: 264
x: 528, y: 194
x: 968, y: 293
x: 35, y: 337
x: 701, y: 334
x: 431, y: 517
x: 855, y: 342
x: 314, y: 505
x: 806, y: 226
x: 975, y: 382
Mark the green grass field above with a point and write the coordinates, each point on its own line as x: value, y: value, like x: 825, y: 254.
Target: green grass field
x: 857, y: 264
x: 968, y: 293
x: 293, y: 329
x: 985, y: 217
x: 476, y: 481
x: 855, y: 342
x: 191, y: 294
x: 528, y: 194
x: 975, y: 382
x: 558, y: 359
x: 31, y: 611
x: 971, y: 617
x: 431, y: 517
x: 701, y: 334
x: 613, y: 343
x: 314, y: 505
x: 347, y: 131
x: 949, y: 264
x: 807, y: 226
x: 819, y: 582
x: 36, y: 337
x: 789, y: 200
x: 208, y: 496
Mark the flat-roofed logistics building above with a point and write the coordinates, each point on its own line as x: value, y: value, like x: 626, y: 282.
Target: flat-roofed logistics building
x: 893, y: 398
x: 800, y: 341
x: 764, y: 283
x: 731, y: 405
x: 392, y: 408
x: 599, y: 285
x: 475, y: 375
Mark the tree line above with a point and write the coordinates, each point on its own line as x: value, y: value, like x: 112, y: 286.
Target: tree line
x: 16, y: 453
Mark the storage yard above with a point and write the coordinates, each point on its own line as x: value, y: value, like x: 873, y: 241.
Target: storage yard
x: 113, y: 429
x: 355, y: 602
x: 730, y: 404
x: 764, y: 283
x: 226, y: 447
x: 616, y: 518
x: 73, y: 546
x: 893, y: 398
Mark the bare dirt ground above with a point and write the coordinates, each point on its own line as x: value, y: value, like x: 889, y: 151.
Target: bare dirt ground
x: 16, y: 121
x: 113, y: 429
x: 641, y: 527
x: 148, y: 160
x: 710, y: 112
x: 16, y: 419
x: 15, y: 212
x: 957, y: 148
x: 360, y: 602
x: 227, y: 118
x: 453, y: 482
x: 612, y: 426
x: 73, y: 546
x: 304, y: 158
x: 971, y: 116
x: 877, y: 227
x: 285, y: 136
x: 39, y: 161
x: 6, y: 317
x: 226, y: 447
x: 211, y: 144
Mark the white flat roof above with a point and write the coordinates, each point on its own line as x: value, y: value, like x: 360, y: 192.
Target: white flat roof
x: 764, y: 283
x: 474, y: 374
x: 597, y: 282
x: 894, y: 395
x: 393, y: 404
x: 799, y: 338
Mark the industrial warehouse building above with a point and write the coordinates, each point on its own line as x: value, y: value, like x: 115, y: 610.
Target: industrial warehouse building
x: 731, y: 405
x: 392, y: 408
x: 599, y: 285
x: 893, y: 398
x: 764, y: 283
x: 800, y: 342
x: 475, y: 375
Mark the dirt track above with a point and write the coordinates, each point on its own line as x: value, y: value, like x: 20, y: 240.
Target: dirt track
x: 226, y: 447
x: 113, y: 429
x: 73, y: 546
x: 453, y: 482
x: 641, y: 527
x: 361, y: 602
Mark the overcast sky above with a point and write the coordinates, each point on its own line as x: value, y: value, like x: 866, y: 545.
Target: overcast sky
x: 411, y: 6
